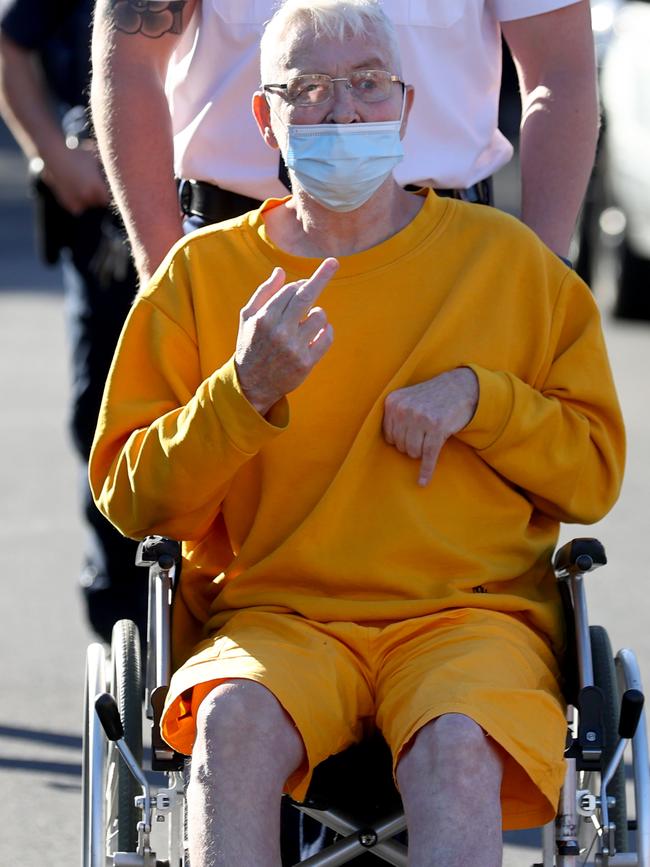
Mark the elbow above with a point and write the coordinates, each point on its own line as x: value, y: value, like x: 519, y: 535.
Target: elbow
x: 112, y: 492
x: 586, y: 493
x: 595, y: 493
x: 600, y: 503
x: 598, y: 483
x: 118, y: 512
x: 141, y: 510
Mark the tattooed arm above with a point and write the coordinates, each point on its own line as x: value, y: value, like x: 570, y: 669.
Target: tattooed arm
x: 132, y: 43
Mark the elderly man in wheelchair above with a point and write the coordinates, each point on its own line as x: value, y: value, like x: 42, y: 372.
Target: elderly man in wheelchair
x: 365, y: 411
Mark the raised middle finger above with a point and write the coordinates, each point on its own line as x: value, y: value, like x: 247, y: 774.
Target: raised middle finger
x: 304, y: 297
x: 313, y: 324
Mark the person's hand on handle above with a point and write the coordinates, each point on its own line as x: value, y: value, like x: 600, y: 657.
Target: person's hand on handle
x: 282, y: 335
x: 419, y: 419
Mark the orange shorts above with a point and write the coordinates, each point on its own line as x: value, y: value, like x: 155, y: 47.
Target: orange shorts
x: 337, y: 680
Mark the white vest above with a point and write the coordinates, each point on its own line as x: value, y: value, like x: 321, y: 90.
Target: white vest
x: 451, y: 54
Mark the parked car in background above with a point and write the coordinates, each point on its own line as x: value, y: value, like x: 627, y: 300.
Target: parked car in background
x: 616, y: 210
x: 625, y: 94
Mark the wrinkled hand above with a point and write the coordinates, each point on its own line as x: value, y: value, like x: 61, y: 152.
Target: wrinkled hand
x: 282, y: 335
x: 419, y: 419
x: 76, y: 179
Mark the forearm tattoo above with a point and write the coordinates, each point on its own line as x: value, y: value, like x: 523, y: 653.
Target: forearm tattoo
x: 149, y: 17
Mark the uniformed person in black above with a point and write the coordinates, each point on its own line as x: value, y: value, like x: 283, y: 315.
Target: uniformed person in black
x: 44, y: 78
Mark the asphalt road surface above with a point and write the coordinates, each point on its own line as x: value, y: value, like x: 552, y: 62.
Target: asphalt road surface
x: 43, y: 636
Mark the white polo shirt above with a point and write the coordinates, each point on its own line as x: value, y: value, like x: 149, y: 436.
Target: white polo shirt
x: 451, y: 54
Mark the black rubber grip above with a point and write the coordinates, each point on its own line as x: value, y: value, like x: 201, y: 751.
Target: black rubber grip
x: 109, y: 716
x: 580, y: 555
x: 631, y: 707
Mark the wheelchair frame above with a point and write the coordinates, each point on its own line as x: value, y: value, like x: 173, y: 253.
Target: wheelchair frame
x: 584, y: 832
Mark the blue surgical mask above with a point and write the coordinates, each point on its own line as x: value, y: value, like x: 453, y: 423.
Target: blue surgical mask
x: 341, y: 165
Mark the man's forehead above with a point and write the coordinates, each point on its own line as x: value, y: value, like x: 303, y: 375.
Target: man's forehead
x: 305, y: 51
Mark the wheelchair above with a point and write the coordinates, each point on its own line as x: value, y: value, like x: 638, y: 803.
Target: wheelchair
x: 136, y: 818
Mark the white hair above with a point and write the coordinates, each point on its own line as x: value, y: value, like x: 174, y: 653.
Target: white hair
x: 337, y: 19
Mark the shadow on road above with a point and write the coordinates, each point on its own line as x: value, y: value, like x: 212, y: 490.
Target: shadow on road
x: 41, y: 738
x: 57, y: 739
x: 41, y: 766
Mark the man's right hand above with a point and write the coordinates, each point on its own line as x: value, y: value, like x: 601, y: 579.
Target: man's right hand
x: 282, y: 335
x: 76, y: 179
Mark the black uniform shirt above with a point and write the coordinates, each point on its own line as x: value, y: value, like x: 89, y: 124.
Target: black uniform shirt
x: 59, y: 32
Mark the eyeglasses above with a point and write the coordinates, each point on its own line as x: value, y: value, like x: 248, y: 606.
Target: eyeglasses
x: 368, y: 85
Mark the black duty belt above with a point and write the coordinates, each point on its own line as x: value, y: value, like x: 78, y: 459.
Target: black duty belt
x: 213, y: 204
x: 479, y: 193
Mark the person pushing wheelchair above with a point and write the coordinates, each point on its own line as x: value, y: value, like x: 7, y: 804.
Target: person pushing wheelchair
x: 365, y: 411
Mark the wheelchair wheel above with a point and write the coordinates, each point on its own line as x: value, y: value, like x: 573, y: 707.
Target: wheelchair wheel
x: 94, y: 752
x: 606, y: 678
x: 122, y: 816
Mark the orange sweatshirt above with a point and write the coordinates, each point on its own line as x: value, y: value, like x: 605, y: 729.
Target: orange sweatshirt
x: 309, y: 510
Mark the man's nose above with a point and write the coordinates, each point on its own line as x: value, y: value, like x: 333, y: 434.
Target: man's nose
x: 343, y: 108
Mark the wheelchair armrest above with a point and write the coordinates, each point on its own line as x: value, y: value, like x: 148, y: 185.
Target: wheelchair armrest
x: 591, y: 728
x: 163, y: 757
x: 162, y: 557
x: 158, y: 549
x: 570, y: 563
x: 579, y: 556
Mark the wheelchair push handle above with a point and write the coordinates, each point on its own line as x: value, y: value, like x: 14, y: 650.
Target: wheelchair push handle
x: 109, y: 716
x: 631, y: 707
x: 158, y: 549
x: 579, y: 556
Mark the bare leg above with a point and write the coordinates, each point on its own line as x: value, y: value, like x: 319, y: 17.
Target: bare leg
x: 246, y: 747
x: 450, y: 782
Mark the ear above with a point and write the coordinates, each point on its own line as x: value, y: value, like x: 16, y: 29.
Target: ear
x: 262, y: 115
x: 409, y: 96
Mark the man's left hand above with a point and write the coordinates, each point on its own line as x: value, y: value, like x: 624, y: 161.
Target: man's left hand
x: 419, y: 419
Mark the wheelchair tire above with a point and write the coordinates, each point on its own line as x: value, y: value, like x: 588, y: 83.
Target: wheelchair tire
x: 122, y: 816
x: 94, y: 753
x: 606, y: 678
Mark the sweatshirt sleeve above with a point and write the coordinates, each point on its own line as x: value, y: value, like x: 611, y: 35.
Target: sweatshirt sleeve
x: 169, y: 442
x: 560, y: 438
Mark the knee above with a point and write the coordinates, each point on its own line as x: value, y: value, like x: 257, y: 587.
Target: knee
x: 238, y: 710
x: 240, y: 719
x: 454, y: 732
x: 455, y: 743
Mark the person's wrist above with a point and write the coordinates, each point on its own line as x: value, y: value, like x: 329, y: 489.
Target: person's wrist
x: 257, y: 396
x: 54, y: 154
x: 469, y: 384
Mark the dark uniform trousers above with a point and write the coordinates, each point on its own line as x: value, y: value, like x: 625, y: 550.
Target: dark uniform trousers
x: 100, y: 284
